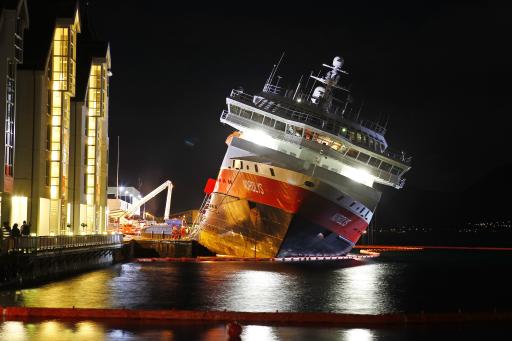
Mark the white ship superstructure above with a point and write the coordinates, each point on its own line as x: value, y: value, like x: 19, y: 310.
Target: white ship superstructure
x: 299, y: 172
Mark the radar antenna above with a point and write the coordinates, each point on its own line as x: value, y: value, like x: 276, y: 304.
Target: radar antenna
x: 322, y: 94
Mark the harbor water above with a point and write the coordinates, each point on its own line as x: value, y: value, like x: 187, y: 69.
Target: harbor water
x: 402, y: 282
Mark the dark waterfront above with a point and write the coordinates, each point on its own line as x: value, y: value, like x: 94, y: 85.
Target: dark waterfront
x: 430, y: 281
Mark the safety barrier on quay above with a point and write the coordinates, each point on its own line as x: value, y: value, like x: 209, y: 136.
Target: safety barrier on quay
x: 257, y: 317
x: 384, y: 248
x: 61, y: 242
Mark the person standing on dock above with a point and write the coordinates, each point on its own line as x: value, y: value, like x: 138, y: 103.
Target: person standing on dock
x: 1, y: 239
x: 15, y: 232
x: 25, y: 229
x: 6, y: 229
x: 6, y: 234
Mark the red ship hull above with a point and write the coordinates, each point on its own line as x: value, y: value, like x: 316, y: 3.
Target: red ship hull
x: 251, y: 215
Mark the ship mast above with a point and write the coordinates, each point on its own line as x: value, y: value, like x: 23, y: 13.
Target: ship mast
x: 322, y: 95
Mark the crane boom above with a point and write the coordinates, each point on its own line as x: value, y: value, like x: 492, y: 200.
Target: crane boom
x: 167, y: 184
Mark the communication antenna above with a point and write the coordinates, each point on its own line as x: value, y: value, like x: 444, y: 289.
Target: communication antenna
x: 314, y: 82
x: 117, y: 176
x: 387, y: 120
x: 359, y: 111
x: 307, y: 82
x: 274, y: 70
x: 298, y: 87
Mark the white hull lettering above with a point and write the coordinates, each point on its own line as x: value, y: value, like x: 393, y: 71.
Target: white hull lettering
x: 340, y: 219
x: 252, y: 186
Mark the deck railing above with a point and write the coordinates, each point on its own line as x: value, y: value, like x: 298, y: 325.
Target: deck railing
x: 54, y: 243
x: 330, y: 125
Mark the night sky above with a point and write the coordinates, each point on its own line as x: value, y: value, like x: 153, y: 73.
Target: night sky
x: 428, y: 67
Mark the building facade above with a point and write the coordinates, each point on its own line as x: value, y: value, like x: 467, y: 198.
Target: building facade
x: 13, y: 22
x: 89, y: 136
x: 62, y: 140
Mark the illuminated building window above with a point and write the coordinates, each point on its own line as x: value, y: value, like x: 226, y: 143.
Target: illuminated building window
x: 62, y: 70
x: 9, y: 118
x: 96, y: 103
x: 18, y: 40
x: 47, y: 173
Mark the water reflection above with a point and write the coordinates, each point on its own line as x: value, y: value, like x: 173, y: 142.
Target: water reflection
x: 51, y: 330
x: 58, y: 330
x: 85, y: 291
x: 259, y: 333
x: 365, y: 288
x: 357, y: 335
x: 360, y: 290
x: 253, y: 290
x: 13, y: 331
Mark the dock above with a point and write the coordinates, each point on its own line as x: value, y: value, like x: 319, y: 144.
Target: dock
x: 26, y: 260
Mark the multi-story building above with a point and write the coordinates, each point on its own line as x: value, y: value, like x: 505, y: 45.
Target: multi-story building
x: 62, y: 144
x: 89, y: 139
x: 13, y: 22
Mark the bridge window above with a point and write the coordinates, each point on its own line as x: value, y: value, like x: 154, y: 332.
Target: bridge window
x: 268, y: 121
x: 272, y: 172
x: 280, y: 126
x: 323, y: 140
x: 396, y: 170
x: 343, y: 149
x: 256, y: 168
x: 245, y: 113
x: 385, y: 166
x: 308, y: 134
x: 336, y: 146
x: 294, y: 130
x: 352, y: 153
x: 374, y: 162
x: 234, y: 109
x: 257, y: 117
x: 363, y: 157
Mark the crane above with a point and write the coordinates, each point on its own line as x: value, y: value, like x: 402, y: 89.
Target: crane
x: 167, y: 184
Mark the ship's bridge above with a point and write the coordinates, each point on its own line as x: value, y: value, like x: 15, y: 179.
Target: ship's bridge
x: 335, y: 144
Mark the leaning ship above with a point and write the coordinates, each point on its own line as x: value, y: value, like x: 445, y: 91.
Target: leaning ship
x: 298, y: 175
